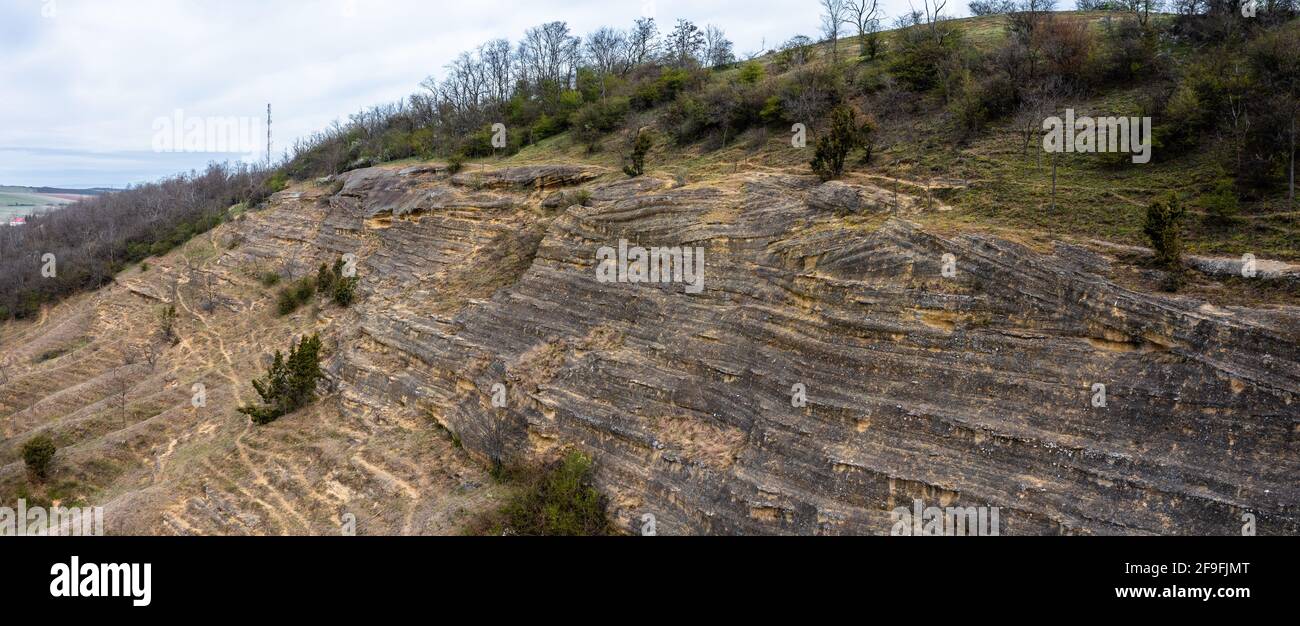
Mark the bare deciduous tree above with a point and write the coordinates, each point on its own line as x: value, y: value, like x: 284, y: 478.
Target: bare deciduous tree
x: 797, y: 51
x: 498, y: 68
x: 833, y: 17
x: 933, y: 12
x: 151, y: 353
x: 606, y: 50
x: 864, y: 16
x: 549, y: 56
x: 121, y: 384
x: 685, y: 44
x: 717, y: 48
x: 1142, y: 9
x: 1044, y: 99
x: 643, y: 41
x: 994, y: 7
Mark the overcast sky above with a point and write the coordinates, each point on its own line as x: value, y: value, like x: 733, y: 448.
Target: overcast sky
x: 85, y: 81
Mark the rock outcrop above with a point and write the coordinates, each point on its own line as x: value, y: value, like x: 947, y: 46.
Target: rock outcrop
x: 977, y: 388
x: 846, y: 198
x: 836, y: 364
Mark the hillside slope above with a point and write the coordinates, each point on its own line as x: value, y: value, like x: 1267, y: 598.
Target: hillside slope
x: 974, y: 388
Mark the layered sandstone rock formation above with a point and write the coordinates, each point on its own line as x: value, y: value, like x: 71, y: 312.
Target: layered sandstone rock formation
x: 960, y: 370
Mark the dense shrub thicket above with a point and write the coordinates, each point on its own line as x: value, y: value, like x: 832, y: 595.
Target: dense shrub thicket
x: 550, y: 82
x: 1206, y: 73
x: 556, y: 500
x: 333, y: 281
x: 1210, y: 79
x: 330, y: 281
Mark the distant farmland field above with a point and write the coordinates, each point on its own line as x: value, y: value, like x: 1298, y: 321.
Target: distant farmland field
x: 18, y: 201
